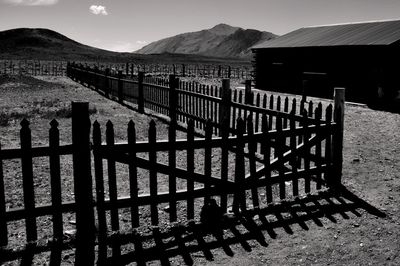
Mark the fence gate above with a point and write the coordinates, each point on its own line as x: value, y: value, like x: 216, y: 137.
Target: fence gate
x: 156, y: 182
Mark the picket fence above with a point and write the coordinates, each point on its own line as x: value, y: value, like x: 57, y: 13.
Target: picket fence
x: 286, y: 156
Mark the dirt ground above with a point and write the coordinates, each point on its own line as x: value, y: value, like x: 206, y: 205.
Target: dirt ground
x: 351, y: 236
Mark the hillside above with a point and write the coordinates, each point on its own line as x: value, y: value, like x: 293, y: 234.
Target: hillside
x: 220, y: 41
x: 26, y: 43
x: 45, y: 44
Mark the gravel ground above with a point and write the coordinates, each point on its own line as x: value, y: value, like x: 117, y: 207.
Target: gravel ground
x: 370, y: 171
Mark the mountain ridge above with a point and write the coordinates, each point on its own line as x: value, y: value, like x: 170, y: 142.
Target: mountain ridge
x: 221, y: 40
x: 46, y: 44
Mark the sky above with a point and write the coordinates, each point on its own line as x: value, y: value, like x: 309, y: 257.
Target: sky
x: 127, y: 25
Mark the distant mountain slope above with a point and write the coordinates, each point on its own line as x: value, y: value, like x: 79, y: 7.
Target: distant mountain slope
x: 26, y: 43
x: 220, y: 41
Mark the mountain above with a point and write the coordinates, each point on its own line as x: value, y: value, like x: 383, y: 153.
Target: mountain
x: 27, y: 43
x: 45, y: 44
x: 220, y: 41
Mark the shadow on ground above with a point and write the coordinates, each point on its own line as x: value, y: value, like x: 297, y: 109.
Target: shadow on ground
x: 185, y: 240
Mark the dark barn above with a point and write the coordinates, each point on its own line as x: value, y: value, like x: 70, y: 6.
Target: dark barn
x: 362, y: 57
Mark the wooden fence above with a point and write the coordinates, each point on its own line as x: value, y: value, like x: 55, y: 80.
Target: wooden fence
x: 182, y: 100
x: 181, y: 70
x: 82, y: 205
x: 291, y: 162
x: 59, y: 68
x: 33, y: 67
x: 258, y: 156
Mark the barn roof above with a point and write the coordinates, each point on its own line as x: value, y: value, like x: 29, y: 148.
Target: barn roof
x: 363, y: 33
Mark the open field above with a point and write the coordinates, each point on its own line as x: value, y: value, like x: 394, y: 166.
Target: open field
x: 371, y: 171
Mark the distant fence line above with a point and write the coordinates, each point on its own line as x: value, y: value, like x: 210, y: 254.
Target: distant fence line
x: 33, y: 67
x: 59, y: 68
x: 191, y: 100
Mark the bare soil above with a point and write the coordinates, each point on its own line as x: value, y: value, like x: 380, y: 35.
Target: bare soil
x: 345, y: 237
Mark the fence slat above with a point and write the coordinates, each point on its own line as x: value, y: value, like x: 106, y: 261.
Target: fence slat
x: 318, y: 146
x: 266, y: 150
x: 207, y: 102
x: 280, y: 142
x: 172, y: 175
x: 113, y: 190
x: 293, y: 161
x: 54, y: 143
x: 306, y: 154
x: 224, y: 165
x: 190, y: 170
x: 133, y: 176
x: 252, y: 160
x: 271, y: 107
x: 240, y: 193
x: 310, y: 108
x: 328, y: 145
x: 217, y: 108
x: 196, y: 104
x: 153, y: 174
x: 239, y: 109
x: 202, y: 106
x: 27, y: 175
x: 286, y: 110
x: 234, y: 110
x: 101, y: 213
x: 3, y: 222
x: 257, y: 115
x: 207, y: 161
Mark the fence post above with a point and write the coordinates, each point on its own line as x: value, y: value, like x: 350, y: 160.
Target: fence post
x: 248, y: 95
x: 225, y: 107
x: 304, y: 91
x: 183, y: 70
x: 96, y: 78
x: 173, y: 82
x: 140, y: 93
x: 120, y: 91
x: 337, y: 143
x: 85, y: 235
x: 106, y: 87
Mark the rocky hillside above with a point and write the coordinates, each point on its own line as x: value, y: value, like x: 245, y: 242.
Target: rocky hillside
x: 220, y: 41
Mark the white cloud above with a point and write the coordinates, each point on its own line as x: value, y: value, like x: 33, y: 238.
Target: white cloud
x: 141, y: 42
x: 98, y: 10
x: 32, y: 2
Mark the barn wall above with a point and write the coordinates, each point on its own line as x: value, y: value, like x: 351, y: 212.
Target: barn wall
x: 361, y: 69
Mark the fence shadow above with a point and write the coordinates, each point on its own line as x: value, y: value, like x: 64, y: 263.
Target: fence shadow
x: 186, y: 239
x: 257, y: 224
